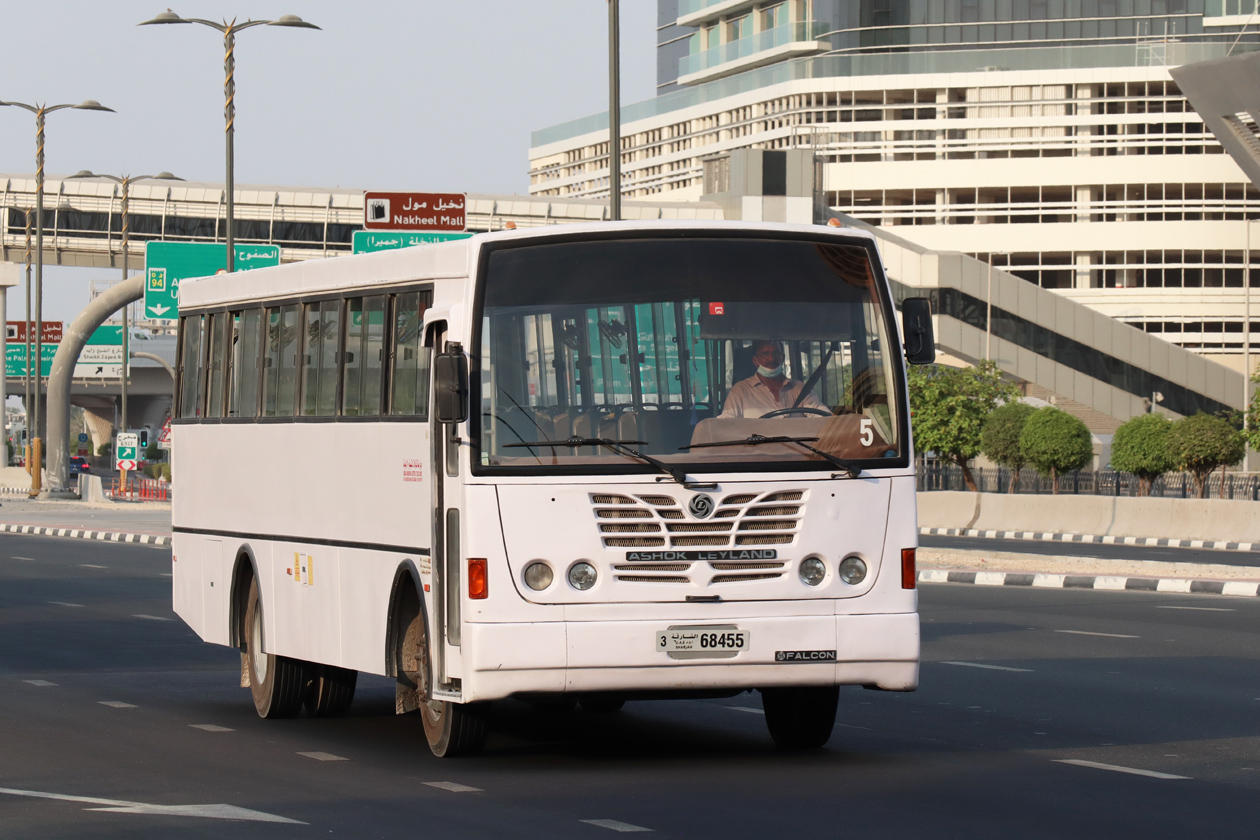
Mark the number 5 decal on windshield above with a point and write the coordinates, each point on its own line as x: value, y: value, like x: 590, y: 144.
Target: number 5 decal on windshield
x: 868, y: 434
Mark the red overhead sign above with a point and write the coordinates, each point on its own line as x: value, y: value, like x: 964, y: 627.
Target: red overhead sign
x: 51, y: 334
x: 414, y: 211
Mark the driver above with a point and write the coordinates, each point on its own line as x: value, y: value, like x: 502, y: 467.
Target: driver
x: 768, y: 389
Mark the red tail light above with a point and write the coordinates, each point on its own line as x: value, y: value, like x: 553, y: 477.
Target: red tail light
x: 908, y: 572
x: 478, y: 579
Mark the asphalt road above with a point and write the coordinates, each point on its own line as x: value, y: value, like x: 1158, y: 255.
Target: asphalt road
x: 115, y: 719
x: 1109, y: 552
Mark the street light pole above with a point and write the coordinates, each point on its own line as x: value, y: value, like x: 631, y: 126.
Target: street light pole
x: 126, y: 181
x: 40, y: 111
x: 614, y: 112
x: 229, y: 31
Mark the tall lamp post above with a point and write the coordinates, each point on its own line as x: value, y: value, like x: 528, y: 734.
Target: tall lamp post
x: 40, y: 111
x: 126, y: 181
x: 229, y: 31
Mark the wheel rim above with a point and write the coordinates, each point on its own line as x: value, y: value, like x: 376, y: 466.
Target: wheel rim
x: 257, y: 658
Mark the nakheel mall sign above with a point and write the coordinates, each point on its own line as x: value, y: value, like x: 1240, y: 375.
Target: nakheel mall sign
x: 415, y: 211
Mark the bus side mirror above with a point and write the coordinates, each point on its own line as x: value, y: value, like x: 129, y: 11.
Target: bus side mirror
x: 916, y: 322
x: 450, y: 386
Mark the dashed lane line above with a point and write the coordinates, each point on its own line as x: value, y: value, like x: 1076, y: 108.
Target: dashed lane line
x: 153, y: 617
x: 1200, y: 609
x: 31, y: 559
x: 615, y: 825
x: 121, y: 806
x: 454, y: 787
x: 748, y: 709
x: 41, y: 683
x: 117, y: 704
x: 990, y: 667
x: 1089, y: 633
x: 92, y: 566
x: 64, y: 604
x: 210, y: 727
x: 1116, y: 768
x: 323, y: 756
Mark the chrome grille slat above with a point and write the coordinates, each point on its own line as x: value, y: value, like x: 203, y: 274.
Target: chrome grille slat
x: 699, y: 526
x: 653, y: 567
x: 764, y: 539
x: 670, y: 514
x: 784, y: 496
x: 634, y: 542
x: 610, y: 499
x: 740, y: 499
x: 691, y: 541
x: 773, y: 511
x: 737, y: 578
x: 632, y: 513
x: 736, y: 566
x: 653, y: 579
x: 628, y: 528
x: 660, y: 501
x: 768, y: 525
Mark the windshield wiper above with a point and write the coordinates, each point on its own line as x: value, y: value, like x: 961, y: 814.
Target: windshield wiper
x: 621, y: 447
x: 803, y: 442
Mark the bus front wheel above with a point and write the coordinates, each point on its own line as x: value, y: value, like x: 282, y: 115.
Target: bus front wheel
x: 454, y: 729
x: 800, y: 718
x: 277, y: 683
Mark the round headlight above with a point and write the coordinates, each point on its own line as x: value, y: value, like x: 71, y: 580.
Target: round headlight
x: 813, y: 571
x: 582, y: 576
x: 853, y: 570
x: 538, y: 576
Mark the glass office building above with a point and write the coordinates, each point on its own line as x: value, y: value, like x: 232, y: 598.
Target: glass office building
x: 1046, y: 136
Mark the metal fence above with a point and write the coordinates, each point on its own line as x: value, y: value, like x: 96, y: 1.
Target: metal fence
x: 935, y: 475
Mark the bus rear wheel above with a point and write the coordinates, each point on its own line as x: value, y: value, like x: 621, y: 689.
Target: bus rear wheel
x: 800, y: 718
x: 277, y: 683
x: 331, y: 691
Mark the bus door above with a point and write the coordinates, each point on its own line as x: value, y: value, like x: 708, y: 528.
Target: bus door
x: 445, y: 551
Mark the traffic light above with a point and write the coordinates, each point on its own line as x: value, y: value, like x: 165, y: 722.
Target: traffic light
x: 144, y: 439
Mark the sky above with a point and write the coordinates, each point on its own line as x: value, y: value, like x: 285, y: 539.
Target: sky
x: 427, y: 95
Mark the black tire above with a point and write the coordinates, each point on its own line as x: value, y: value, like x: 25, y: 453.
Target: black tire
x: 601, y: 705
x: 331, y: 691
x: 455, y: 729
x: 800, y: 718
x: 277, y: 683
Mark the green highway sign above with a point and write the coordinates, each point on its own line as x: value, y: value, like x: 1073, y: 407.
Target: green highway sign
x: 125, y: 450
x: 15, y: 359
x: 167, y: 263
x: 369, y: 241
x: 101, y: 357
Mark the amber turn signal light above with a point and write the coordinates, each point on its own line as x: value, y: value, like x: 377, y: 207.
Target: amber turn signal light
x: 478, y: 579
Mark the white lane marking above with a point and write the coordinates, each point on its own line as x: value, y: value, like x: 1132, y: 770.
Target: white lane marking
x: 1202, y: 609
x: 64, y: 604
x: 92, y: 566
x: 454, y: 787
x: 210, y: 727
x: 40, y: 683
x: 153, y: 617
x: 117, y: 704
x: 1117, y: 768
x: 32, y: 559
x: 120, y: 806
x: 323, y: 756
x: 748, y: 709
x: 1088, y: 633
x: 166, y: 574
x: 990, y: 667
x: 615, y: 825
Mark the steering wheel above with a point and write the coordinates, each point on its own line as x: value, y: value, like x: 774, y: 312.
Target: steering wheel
x: 779, y: 412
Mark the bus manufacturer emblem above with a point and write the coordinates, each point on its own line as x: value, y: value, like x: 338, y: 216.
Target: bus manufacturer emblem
x: 701, y: 506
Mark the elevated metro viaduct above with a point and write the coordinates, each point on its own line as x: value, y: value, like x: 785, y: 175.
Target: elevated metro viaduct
x: 1099, y: 367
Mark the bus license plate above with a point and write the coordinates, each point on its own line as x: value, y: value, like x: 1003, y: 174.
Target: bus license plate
x: 710, y: 641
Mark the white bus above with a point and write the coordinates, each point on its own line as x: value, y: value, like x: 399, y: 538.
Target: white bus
x: 587, y: 463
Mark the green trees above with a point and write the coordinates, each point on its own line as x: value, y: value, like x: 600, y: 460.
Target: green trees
x: 1201, y: 443
x: 1000, y: 437
x: 1141, y: 446
x: 950, y: 406
x: 1054, y: 441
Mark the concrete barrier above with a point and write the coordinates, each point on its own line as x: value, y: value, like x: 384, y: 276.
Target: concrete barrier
x: 1180, y: 519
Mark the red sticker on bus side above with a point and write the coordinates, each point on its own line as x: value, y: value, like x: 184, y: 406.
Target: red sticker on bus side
x: 716, y: 308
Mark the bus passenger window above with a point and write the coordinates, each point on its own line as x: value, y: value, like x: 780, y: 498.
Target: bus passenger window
x: 190, y: 367
x: 246, y: 363
x: 373, y: 353
x: 319, y: 358
x: 290, y: 346
x: 271, y: 363
x: 215, y: 373
x: 361, y: 376
x: 409, y: 384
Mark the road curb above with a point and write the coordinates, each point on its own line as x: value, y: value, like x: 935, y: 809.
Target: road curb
x: 1039, y: 536
x: 82, y: 534
x: 1112, y: 583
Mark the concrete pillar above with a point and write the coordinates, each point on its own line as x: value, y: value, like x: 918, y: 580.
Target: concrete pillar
x: 1082, y: 278
x: 100, y: 425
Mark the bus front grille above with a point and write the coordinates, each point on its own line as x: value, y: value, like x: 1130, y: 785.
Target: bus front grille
x: 738, y: 578
x: 743, y: 519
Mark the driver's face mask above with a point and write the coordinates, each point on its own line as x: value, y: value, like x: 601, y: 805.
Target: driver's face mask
x: 770, y: 373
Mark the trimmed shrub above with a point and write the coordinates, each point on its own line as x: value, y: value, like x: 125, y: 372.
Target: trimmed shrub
x: 1054, y: 441
x: 1141, y: 446
x: 1201, y: 443
x: 1000, y: 437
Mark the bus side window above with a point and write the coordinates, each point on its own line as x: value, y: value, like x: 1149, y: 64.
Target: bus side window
x: 246, y: 364
x: 190, y: 366
x: 271, y: 362
x: 321, y: 328
x: 409, y: 383
x: 215, y: 372
x: 290, y: 347
x: 373, y: 353
x: 352, y: 361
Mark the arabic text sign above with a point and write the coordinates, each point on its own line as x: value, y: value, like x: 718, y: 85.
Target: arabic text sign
x: 16, y: 331
x: 414, y: 211
x: 167, y: 263
x: 125, y: 449
x: 101, y: 357
x: 15, y: 359
x: 368, y: 241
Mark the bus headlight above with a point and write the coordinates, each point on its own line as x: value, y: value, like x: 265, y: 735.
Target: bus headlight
x: 538, y: 576
x: 813, y: 571
x: 582, y: 576
x: 853, y: 570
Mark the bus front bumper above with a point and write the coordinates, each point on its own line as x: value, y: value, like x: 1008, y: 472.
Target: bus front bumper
x: 500, y: 660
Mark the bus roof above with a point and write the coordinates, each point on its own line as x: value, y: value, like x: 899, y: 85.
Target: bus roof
x: 432, y: 261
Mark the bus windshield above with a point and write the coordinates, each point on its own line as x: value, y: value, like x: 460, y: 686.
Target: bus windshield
x: 710, y: 352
